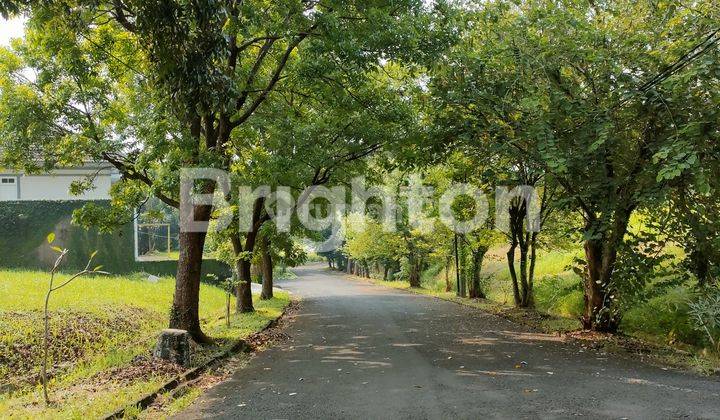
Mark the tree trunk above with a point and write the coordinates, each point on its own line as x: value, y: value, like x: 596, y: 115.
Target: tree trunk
x: 349, y: 266
x: 601, y: 255
x: 476, y: 291
x: 267, y: 271
x: 513, y: 273
x: 531, y: 271
x: 700, y: 266
x: 244, y: 290
x: 386, y: 268
x: 244, y: 270
x: 448, y: 286
x: 184, y: 313
x: 415, y: 267
x: 524, y: 285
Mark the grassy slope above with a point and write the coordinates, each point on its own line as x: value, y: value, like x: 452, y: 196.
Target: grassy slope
x: 558, y: 291
x: 99, y: 325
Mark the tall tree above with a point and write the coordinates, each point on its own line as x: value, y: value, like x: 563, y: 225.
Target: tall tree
x: 606, y: 115
x: 154, y: 86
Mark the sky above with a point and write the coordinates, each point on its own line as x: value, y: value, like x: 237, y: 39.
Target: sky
x: 12, y: 28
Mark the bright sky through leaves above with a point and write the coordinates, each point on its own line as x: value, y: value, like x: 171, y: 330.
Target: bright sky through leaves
x: 9, y: 29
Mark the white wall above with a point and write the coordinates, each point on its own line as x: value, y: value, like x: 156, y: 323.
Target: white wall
x: 55, y: 186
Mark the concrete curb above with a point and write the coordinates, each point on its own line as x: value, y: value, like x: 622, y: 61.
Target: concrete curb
x: 192, y: 374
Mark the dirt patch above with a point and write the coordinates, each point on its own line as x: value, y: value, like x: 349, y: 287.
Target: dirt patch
x: 73, y: 337
x: 141, y: 368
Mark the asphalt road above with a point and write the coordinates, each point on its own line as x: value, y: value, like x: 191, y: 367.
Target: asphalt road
x: 363, y: 351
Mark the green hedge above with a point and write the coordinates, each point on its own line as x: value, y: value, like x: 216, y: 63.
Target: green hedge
x: 25, y: 225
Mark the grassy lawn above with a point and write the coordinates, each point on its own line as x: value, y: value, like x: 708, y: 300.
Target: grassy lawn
x: 102, y: 331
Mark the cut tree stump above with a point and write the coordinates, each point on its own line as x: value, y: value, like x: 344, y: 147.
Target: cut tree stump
x: 173, y: 346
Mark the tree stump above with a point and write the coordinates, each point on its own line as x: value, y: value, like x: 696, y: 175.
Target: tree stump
x: 174, y: 346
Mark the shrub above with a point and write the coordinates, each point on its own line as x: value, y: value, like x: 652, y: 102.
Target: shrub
x: 705, y: 316
x: 666, y: 316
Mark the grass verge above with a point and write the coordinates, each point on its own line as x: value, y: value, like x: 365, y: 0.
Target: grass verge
x: 102, y: 330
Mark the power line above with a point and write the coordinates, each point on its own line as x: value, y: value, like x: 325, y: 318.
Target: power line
x: 685, y: 60
x: 111, y: 55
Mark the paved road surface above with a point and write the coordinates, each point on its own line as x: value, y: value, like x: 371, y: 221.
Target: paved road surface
x: 367, y: 352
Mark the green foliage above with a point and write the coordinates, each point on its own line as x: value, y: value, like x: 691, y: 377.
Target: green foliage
x: 705, y: 316
x: 560, y: 294
x: 559, y: 89
x: 665, y: 318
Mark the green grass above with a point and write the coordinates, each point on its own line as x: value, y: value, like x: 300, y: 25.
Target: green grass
x: 100, y: 325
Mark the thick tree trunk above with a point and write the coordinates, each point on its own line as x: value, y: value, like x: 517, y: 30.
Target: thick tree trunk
x: 267, y: 271
x: 386, y: 269
x: 184, y: 314
x: 349, y: 266
x: 601, y: 256
x: 595, y: 288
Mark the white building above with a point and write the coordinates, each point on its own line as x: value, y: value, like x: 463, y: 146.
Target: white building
x: 55, y: 185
